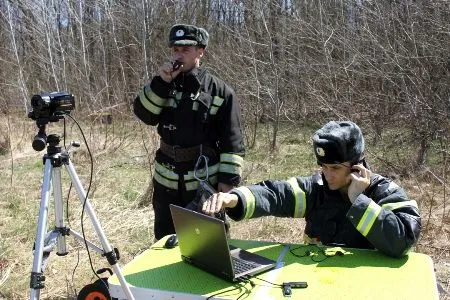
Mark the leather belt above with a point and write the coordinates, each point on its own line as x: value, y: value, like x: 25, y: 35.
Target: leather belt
x: 184, y: 154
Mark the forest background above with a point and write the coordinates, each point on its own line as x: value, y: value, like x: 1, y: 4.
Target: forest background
x: 294, y: 66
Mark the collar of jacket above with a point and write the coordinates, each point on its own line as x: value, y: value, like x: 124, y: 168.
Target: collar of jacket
x: 188, y: 81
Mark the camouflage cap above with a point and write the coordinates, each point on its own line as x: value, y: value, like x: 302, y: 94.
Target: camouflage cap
x: 188, y: 35
x: 338, y: 142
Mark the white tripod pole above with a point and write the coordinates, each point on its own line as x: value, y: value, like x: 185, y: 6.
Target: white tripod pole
x: 37, y: 277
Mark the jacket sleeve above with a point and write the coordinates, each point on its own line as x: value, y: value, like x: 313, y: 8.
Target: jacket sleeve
x: 271, y: 197
x: 387, y: 218
x: 230, y: 139
x: 383, y: 214
x: 152, y: 98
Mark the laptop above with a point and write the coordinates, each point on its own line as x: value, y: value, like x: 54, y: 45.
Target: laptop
x: 203, y: 243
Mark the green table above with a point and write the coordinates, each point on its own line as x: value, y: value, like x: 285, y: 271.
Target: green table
x: 159, y: 273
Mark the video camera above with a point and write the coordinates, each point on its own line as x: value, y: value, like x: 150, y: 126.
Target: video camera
x: 49, y: 107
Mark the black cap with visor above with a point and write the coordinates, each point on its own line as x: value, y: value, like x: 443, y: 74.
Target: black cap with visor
x: 188, y: 35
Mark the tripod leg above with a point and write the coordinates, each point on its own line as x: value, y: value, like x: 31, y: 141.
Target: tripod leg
x: 59, y: 212
x: 37, y: 278
x: 108, y: 250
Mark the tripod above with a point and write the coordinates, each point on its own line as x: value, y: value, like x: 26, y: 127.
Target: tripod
x: 46, y: 241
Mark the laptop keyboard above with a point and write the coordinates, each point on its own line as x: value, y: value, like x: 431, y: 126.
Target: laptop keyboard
x: 241, y: 266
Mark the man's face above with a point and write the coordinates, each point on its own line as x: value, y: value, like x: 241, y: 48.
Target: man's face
x: 337, y: 175
x: 188, y: 55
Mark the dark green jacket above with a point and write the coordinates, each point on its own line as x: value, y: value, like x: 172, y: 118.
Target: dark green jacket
x: 382, y: 217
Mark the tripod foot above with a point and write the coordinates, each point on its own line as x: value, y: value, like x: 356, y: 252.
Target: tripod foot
x: 95, y: 291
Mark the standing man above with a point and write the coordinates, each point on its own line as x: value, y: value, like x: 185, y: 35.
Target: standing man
x: 197, y: 114
x: 344, y: 204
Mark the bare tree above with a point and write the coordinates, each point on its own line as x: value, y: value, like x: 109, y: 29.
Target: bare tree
x: 299, y: 62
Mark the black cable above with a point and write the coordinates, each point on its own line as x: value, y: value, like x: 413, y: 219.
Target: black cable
x: 74, y: 269
x: 247, y: 291
x: 237, y: 286
x: 64, y: 133
x: 325, y: 256
x: 275, y: 284
x: 70, y: 187
x: 312, y: 254
x: 67, y: 205
x: 306, y: 253
x: 85, y: 201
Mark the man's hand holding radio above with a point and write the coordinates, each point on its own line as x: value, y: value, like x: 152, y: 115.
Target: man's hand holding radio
x: 169, y: 70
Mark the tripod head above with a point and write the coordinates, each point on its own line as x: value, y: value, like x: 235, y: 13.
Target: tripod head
x: 41, y: 139
x: 53, y: 144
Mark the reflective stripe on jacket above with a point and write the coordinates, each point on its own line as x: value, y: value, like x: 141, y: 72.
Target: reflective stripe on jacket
x: 165, y: 176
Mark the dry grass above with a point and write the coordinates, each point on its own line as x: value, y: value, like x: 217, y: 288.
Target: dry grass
x: 120, y: 177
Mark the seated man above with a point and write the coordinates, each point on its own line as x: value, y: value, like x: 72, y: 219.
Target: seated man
x: 345, y: 204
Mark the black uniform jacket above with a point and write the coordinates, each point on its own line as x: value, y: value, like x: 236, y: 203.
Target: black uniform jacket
x: 382, y: 217
x: 196, y: 108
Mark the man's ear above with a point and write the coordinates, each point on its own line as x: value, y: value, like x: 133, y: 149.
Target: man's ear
x: 201, y: 52
x: 352, y: 169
